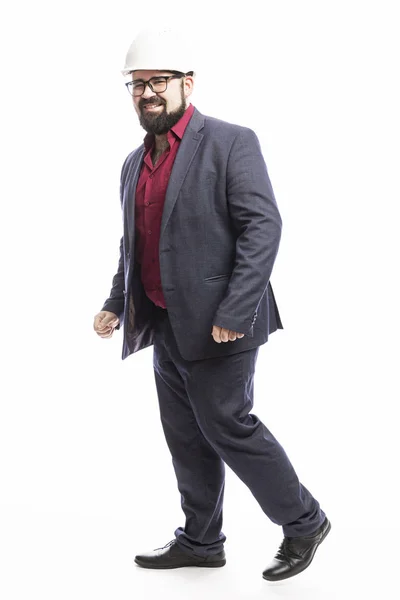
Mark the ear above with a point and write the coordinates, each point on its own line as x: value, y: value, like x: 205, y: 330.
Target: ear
x: 188, y: 85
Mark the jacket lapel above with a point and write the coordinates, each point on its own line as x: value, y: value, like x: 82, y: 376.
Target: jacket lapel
x: 187, y: 149
x: 129, y: 196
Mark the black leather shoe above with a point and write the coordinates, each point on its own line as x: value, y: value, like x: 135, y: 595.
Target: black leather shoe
x: 295, y: 554
x: 171, y: 556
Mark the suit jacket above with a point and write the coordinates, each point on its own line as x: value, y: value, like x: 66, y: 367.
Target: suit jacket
x: 219, y: 238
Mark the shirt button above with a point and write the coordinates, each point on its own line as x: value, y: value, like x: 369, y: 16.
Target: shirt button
x: 147, y: 203
x: 149, y: 231
x: 151, y: 176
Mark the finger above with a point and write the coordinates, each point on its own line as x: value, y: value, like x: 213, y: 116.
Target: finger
x: 225, y: 334
x: 103, y: 328
x: 216, y: 331
x: 107, y: 325
x: 96, y: 322
x: 105, y: 334
x: 99, y: 323
x: 232, y: 336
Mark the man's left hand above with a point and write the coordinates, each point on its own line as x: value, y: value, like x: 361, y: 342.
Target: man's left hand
x: 220, y: 334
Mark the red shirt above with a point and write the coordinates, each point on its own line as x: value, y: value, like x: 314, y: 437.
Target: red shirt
x: 149, y: 204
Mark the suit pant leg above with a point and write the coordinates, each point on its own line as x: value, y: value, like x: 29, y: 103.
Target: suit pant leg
x: 199, y: 470
x: 220, y: 391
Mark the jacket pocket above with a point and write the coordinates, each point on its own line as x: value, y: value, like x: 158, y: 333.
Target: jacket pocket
x: 217, y: 277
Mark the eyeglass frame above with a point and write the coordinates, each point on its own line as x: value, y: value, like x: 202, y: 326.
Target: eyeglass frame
x: 148, y: 83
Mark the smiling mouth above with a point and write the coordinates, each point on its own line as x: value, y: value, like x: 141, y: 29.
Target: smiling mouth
x: 151, y: 106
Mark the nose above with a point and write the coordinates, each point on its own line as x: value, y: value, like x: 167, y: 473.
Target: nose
x: 148, y: 93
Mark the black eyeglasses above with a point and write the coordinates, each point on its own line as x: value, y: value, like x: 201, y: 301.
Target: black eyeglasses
x: 157, y: 84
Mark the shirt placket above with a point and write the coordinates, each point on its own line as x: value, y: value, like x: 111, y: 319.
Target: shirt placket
x: 149, y: 216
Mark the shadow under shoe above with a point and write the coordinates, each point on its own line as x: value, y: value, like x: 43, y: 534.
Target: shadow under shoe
x: 171, y: 556
x: 295, y: 554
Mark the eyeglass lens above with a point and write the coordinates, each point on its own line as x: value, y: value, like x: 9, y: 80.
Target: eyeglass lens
x: 158, y: 85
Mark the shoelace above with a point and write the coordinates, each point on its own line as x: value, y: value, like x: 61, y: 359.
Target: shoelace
x: 286, y: 551
x: 166, y: 545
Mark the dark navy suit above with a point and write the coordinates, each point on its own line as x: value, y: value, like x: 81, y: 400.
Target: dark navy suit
x: 219, y: 238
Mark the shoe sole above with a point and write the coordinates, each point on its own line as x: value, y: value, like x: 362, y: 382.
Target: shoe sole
x: 219, y: 563
x: 304, y: 568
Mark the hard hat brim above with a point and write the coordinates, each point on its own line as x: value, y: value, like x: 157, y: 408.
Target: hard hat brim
x: 127, y: 71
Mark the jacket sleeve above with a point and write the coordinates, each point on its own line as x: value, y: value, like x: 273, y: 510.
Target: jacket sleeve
x: 116, y: 300
x: 255, y: 217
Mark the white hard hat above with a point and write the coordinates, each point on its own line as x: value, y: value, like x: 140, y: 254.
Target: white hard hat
x: 158, y: 50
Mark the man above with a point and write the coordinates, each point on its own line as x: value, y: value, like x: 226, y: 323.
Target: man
x: 201, y: 231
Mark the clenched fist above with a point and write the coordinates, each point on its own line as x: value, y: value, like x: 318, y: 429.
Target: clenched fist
x: 105, y: 322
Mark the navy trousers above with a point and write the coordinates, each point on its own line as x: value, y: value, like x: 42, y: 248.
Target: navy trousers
x: 205, y: 414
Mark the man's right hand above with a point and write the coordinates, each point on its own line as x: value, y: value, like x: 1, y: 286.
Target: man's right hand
x: 105, y: 322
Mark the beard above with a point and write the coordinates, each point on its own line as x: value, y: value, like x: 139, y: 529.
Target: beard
x: 161, y: 122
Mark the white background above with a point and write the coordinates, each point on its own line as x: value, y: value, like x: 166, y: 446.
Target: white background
x: 86, y: 477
